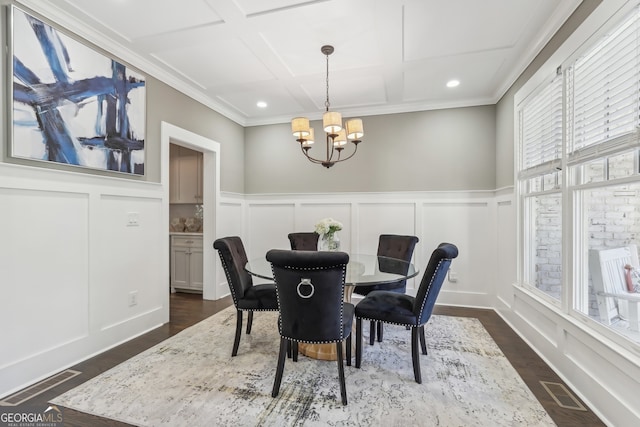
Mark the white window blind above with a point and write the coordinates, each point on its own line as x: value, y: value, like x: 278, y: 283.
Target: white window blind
x: 603, y: 93
x: 541, y: 130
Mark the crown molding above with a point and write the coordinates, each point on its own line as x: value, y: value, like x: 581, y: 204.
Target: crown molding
x: 51, y: 11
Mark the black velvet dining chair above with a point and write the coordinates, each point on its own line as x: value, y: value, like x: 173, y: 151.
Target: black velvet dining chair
x: 310, y: 288
x: 391, y: 246
x: 406, y: 310
x: 246, y: 296
x: 304, y: 241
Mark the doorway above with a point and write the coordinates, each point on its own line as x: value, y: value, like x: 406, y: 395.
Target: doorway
x: 170, y: 134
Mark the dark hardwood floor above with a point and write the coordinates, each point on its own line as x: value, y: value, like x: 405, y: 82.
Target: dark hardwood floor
x: 188, y: 309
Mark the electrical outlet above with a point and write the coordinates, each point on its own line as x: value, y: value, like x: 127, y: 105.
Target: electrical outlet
x: 133, y: 298
x: 453, y: 276
x: 133, y: 219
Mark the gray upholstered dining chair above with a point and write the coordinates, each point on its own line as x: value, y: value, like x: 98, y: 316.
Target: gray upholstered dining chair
x: 406, y: 310
x: 392, y: 246
x: 310, y: 287
x: 246, y: 296
x: 304, y: 241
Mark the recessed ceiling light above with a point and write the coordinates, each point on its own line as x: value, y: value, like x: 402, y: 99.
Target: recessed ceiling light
x: 453, y: 83
x: 261, y: 104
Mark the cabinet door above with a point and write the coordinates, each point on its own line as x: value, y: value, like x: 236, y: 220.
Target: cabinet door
x: 199, y: 166
x: 196, y: 268
x: 186, y: 262
x: 185, y: 175
x: 174, y: 173
x: 180, y: 268
x: 188, y: 178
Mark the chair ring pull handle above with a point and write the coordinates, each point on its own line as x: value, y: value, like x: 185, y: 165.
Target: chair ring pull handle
x: 305, y: 282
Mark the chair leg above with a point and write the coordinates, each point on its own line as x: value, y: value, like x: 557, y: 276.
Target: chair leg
x: 372, y: 332
x: 415, y: 354
x: 236, y: 341
x: 343, y: 387
x: 423, y: 340
x: 348, y: 345
x: 380, y: 331
x: 358, y: 341
x: 295, y: 351
x: 281, y: 358
x: 249, y: 322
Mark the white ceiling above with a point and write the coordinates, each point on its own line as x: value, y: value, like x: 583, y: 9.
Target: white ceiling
x: 390, y: 55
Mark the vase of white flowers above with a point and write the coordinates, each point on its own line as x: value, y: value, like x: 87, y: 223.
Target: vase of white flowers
x: 328, y: 230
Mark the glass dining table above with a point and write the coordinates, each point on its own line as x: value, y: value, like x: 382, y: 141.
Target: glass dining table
x: 362, y: 270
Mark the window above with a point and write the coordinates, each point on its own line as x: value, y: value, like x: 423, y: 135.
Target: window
x: 540, y: 177
x: 579, y: 182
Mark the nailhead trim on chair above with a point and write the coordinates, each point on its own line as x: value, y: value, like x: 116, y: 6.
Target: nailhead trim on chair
x: 344, y: 270
x: 431, y: 283
x: 421, y: 308
x: 233, y: 293
x: 226, y: 273
x: 391, y: 323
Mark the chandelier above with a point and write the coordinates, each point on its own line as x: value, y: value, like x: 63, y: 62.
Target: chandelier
x: 336, y: 135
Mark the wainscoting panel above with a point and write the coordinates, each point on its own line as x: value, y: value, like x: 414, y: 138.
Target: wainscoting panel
x: 466, y: 219
x: 269, y: 224
x: 69, y: 261
x: 469, y: 226
x: 308, y: 215
x: 230, y: 222
x: 506, y: 265
x: 583, y: 352
x: 544, y: 326
x: 374, y: 219
x: 230, y: 218
x: 124, y: 259
x: 44, y: 260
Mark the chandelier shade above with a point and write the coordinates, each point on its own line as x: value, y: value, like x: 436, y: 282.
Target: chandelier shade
x: 300, y: 127
x: 340, y: 139
x: 332, y: 122
x: 355, y: 129
x: 336, y: 134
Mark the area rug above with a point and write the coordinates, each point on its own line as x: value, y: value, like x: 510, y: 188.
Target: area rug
x: 191, y: 380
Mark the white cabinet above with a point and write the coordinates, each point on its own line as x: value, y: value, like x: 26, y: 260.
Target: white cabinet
x: 186, y: 262
x: 185, y: 175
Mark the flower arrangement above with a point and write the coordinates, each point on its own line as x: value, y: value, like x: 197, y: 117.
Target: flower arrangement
x: 327, y: 229
x: 328, y: 226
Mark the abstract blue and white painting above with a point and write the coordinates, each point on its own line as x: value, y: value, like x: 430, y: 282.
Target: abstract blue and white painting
x: 72, y: 104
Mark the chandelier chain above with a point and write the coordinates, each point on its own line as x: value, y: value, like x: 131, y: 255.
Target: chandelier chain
x: 336, y: 134
x: 326, y: 103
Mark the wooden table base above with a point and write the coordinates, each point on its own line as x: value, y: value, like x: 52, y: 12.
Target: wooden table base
x: 320, y: 351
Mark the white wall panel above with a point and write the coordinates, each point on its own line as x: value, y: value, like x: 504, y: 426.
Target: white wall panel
x: 268, y: 227
x: 68, y: 262
x: 230, y: 223
x: 469, y: 226
x: 374, y: 219
x: 308, y: 215
x: 230, y: 219
x: 594, y: 365
x: 544, y: 326
x: 44, y: 260
x: 125, y: 259
x: 506, y: 248
x: 465, y: 219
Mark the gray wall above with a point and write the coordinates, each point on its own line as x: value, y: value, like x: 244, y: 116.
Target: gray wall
x: 504, y: 109
x: 452, y: 149
x: 167, y: 104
